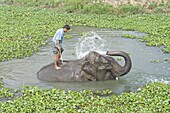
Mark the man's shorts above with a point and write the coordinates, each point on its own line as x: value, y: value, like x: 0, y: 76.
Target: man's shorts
x: 56, y: 50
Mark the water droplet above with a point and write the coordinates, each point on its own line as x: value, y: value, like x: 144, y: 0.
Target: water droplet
x: 91, y: 41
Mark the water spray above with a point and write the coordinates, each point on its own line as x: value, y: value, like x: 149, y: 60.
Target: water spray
x: 91, y: 41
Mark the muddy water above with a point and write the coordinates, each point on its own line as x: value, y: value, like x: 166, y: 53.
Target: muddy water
x: 23, y: 71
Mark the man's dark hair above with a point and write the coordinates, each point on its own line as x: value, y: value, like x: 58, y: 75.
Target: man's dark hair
x: 67, y: 27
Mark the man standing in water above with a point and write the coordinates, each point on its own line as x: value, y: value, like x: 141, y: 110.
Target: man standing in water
x: 57, y: 44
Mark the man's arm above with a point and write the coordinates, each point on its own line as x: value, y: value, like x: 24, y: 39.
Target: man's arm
x: 58, y: 43
x: 58, y: 36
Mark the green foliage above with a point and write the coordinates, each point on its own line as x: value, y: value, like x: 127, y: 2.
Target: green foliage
x: 86, y: 6
x: 152, y: 98
x: 97, y: 9
x: 153, y: 5
x: 103, y: 92
x: 162, y: 8
x: 24, y: 30
x: 95, y: 6
x: 81, y: 33
x: 131, y: 9
x: 167, y: 59
x: 119, y: 59
x: 160, y: 61
x: 129, y: 36
x: 34, y: 3
x: 5, y: 93
x: 156, y: 61
x: 1, y: 82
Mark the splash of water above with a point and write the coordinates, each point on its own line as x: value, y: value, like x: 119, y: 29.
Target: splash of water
x: 91, y: 41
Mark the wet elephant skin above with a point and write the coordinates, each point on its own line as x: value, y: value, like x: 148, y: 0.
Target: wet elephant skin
x: 92, y: 67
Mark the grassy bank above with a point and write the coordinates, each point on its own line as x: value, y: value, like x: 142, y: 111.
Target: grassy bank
x: 116, y: 7
x: 24, y: 29
x: 153, y: 98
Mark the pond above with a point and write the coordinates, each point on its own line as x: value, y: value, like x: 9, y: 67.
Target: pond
x: 20, y: 72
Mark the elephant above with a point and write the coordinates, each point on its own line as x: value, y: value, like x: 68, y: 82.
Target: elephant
x: 92, y: 67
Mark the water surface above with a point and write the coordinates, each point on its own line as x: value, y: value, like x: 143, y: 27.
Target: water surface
x: 23, y: 71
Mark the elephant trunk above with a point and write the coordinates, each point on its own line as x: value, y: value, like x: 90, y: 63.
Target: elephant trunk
x: 128, y: 63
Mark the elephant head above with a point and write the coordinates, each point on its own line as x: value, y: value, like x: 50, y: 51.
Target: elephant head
x: 104, y: 67
x: 97, y: 67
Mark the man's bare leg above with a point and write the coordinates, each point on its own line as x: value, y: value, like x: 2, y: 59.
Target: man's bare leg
x: 56, y: 58
x: 59, y: 56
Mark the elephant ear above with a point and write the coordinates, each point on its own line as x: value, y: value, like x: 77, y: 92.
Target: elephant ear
x: 92, y: 56
x: 89, y: 69
x: 102, y: 63
x: 101, y: 59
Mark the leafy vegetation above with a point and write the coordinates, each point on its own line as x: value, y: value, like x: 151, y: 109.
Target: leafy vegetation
x: 129, y: 36
x: 1, y: 83
x: 167, y: 59
x: 160, y: 61
x: 116, y: 7
x: 152, y: 98
x: 156, y: 61
x: 24, y: 30
x: 5, y: 93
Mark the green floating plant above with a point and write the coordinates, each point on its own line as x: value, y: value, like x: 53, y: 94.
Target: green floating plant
x: 167, y: 59
x: 156, y: 61
x: 23, y: 30
x: 152, y: 97
x: 129, y: 36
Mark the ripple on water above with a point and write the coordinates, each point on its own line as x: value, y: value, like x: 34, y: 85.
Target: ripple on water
x: 23, y: 71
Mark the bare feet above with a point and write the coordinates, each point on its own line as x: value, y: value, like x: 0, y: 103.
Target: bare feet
x: 56, y: 67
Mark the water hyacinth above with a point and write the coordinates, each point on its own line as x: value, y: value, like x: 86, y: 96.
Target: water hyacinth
x: 152, y: 98
x: 24, y: 30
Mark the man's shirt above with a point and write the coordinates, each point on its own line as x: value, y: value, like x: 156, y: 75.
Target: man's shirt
x: 59, y: 35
